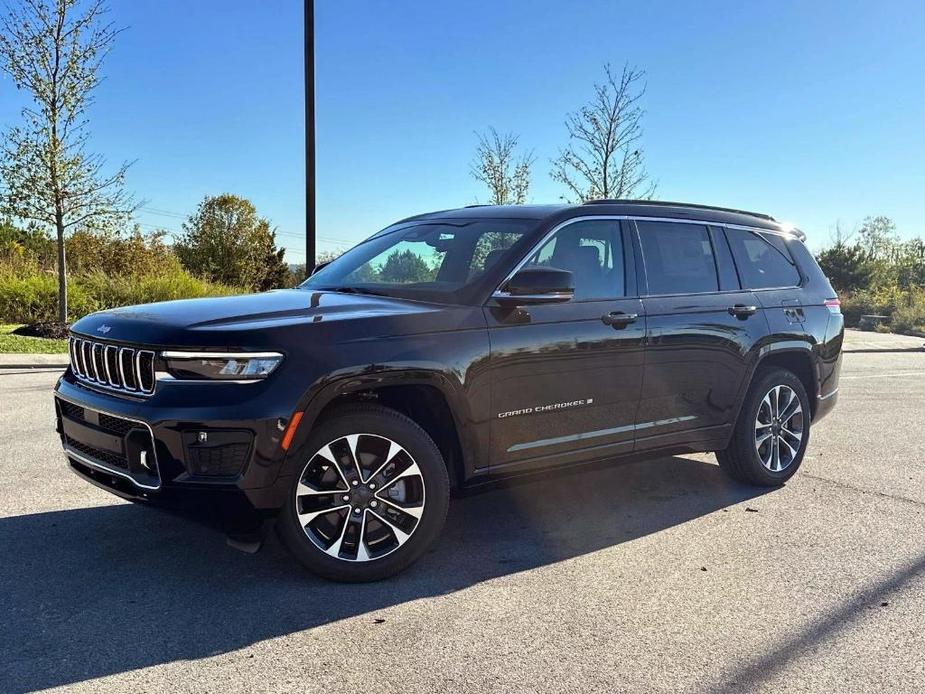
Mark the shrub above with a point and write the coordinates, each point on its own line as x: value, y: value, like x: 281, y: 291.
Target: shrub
x: 117, y: 255
x: 881, y: 301
x: 909, y: 316
x: 164, y: 286
x: 28, y: 298
x: 32, y: 296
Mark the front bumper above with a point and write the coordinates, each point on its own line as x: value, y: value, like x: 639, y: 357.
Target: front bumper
x: 206, y: 445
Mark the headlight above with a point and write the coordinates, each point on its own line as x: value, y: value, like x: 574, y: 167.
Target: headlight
x: 224, y: 366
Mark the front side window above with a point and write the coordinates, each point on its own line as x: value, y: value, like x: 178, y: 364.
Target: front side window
x: 763, y: 261
x: 593, y: 252
x: 678, y: 257
x: 435, y: 260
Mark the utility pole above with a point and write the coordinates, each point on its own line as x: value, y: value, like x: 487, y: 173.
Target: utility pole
x: 309, y: 136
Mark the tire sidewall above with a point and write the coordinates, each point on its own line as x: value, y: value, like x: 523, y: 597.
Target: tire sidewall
x: 381, y: 421
x: 746, y: 428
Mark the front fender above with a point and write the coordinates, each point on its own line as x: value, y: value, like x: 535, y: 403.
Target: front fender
x: 369, y: 378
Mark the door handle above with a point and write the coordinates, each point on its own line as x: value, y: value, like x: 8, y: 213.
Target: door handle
x: 618, y: 319
x: 742, y: 311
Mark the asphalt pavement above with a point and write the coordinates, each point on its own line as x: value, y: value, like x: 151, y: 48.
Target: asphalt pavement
x: 653, y: 576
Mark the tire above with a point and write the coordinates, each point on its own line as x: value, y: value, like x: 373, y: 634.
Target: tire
x: 400, y: 486
x: 748, y: 461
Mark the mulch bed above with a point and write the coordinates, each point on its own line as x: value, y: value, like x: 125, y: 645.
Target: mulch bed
x: 52, y: 330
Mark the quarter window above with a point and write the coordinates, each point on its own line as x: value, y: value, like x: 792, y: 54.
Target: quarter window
x: 763, y: 262
x: 678, y: 257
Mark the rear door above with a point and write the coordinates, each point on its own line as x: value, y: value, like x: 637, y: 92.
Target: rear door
x: 701, y: 328
x: 766, y: 267
x: 566, y: 377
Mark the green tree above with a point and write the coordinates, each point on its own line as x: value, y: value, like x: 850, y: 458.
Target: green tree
x: 910, y: 263
x: 848, y: 267
x: 603, y: 158
x: 498, y: 166
x: 225, y: 241
x: 405, y: 267
x: 878, y: 237
x: 53, y: 50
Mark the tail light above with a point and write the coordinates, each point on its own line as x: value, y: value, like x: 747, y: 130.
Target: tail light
x: 834, y: 305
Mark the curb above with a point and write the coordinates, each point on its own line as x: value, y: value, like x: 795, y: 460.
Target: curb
x: 33, y: 367
x: 14, y: 360
x: 888, y: 350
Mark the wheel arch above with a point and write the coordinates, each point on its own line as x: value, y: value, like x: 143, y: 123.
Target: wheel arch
x: 795, y: 356
x: 427, y: 397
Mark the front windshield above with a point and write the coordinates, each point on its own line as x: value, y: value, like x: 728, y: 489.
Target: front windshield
x: 433, y: 260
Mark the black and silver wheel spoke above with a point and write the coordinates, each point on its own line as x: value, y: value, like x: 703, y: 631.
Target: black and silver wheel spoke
x: 360, y: 497
x: 779, y: 428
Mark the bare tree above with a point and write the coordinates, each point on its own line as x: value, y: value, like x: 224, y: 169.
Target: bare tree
x: 53, y: 50
x: 603, y: 158
x: 499, y: 167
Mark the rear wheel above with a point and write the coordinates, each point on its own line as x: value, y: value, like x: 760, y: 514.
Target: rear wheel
x: 772, y: 432
x: 369, y: 500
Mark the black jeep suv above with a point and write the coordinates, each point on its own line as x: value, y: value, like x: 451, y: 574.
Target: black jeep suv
x: 456, y: 347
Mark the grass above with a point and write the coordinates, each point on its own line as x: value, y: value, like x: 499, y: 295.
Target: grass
x: 17, y: 344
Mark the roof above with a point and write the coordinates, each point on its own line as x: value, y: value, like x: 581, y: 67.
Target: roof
x: 629, y: 208
x: 493, y: 212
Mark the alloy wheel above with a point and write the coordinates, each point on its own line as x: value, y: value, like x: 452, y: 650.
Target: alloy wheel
x: 360, y: 497
x: 779, y: 427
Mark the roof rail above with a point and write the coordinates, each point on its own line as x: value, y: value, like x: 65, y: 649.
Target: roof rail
x: 692, y: 205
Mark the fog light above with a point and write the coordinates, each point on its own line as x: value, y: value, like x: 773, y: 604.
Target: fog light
x: 217, y: 453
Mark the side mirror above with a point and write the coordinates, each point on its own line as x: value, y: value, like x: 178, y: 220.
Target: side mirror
x: 536, y: 285
x: 318, y: 267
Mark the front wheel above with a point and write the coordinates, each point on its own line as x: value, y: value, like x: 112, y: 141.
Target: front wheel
x: 370, y: 498
x: 772, y: 432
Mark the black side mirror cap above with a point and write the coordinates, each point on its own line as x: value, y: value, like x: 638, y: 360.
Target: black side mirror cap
x: 318, y: 267
x: 537, y: 285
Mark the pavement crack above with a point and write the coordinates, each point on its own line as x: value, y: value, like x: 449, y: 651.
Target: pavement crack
x: 873, y: 492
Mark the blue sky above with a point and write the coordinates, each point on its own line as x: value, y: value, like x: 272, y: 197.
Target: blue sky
x: 813, y: 112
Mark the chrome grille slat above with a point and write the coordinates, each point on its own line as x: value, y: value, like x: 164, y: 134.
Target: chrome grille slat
x: 99, y: 368
x: 122, y: 369
x: 85, y: 349
x: 129, y: 353
x: 112, y: 375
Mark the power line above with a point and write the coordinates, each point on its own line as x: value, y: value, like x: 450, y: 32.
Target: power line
x: 164, y: 213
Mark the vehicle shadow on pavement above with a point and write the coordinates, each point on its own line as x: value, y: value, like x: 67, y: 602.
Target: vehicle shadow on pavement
x: 96, y: 591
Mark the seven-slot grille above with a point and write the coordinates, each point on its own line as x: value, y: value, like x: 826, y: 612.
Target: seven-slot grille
x: 111, y: 366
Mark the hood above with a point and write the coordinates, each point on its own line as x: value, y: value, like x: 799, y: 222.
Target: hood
x: 226, y: 320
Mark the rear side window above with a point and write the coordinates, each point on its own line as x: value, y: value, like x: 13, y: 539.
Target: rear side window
x: 763, y: 260
x: 678, y: 257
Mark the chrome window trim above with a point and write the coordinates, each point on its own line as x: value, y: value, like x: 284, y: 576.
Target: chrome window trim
x: 102, y: 466
x: 551, y: 296
x: 633, y: 218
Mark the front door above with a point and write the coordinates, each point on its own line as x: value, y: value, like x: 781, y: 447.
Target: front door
x: 566, y: 378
